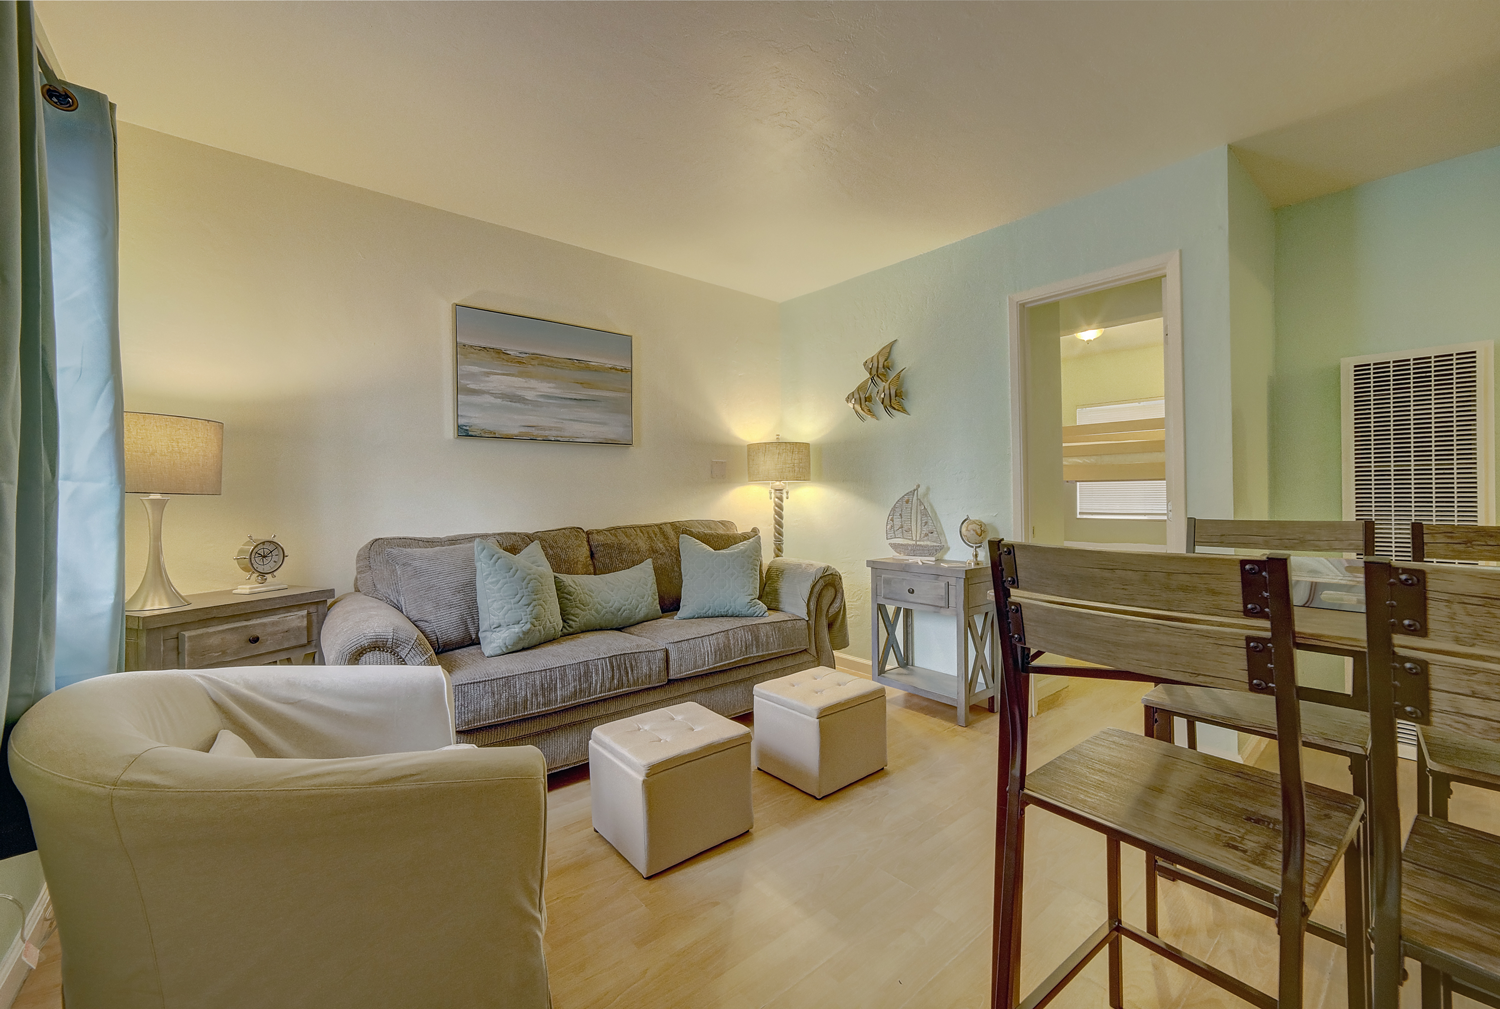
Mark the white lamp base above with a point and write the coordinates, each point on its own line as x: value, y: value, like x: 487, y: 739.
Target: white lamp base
x: 157, y: 591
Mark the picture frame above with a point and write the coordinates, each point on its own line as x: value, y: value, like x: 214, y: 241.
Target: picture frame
x: 517, y: 377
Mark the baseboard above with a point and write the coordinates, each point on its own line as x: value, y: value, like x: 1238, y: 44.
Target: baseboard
x: 851, y: 664
x: 13, y: 969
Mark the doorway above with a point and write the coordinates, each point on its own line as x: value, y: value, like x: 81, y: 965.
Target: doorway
x: 1096, y: 409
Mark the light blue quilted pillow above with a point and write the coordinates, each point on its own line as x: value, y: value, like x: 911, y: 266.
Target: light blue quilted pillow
x: 720, y: 583
x: 604, y: 602
x: 517, y: 599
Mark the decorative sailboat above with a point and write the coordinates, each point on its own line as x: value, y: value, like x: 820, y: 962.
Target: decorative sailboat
x: 910, y: 528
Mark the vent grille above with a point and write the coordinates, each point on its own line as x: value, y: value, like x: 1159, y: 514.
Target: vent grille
x: 1418, y: 444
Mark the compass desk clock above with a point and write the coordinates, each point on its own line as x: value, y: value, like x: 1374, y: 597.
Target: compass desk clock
x: 260, y: 559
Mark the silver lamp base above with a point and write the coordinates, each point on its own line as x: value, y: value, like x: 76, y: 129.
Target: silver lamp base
x: 156, y: 591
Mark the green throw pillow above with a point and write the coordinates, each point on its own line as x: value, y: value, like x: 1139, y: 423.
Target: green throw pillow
x: 720, y: 583
x: 604, y: 602
x: 517, y: 599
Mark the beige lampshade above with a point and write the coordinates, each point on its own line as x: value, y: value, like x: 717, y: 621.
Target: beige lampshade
x: 780, y: 461
x: 173, y: 455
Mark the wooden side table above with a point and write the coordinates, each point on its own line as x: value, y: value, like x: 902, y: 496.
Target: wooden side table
x: 225, y: 629
x: 956, y: 589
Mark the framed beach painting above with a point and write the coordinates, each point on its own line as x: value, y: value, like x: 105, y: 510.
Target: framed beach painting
x: 536, y: 380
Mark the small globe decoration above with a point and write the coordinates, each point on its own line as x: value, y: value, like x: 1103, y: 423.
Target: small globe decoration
x: 973, y: 533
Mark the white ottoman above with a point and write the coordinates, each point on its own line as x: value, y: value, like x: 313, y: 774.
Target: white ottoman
x: 819, y: 729
x: 669, y: 784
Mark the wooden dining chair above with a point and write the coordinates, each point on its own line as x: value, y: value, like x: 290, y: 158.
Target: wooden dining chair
x: 1327, y: 721
x: 1280, y: 536
x: 1443, y: 755
x: 1331, y: 721
x: 1267, y: 841
x: 1436, y: 628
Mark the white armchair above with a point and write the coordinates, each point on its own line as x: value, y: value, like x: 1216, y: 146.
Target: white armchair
x: 350, y: 863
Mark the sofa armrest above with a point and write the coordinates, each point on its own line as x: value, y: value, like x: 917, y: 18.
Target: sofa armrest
x: 362, y: 630
x: 814, y: 592
x: 406, y: 863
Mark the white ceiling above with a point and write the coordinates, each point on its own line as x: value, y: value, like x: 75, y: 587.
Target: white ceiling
x: 779, y: 147
x: 1131, y: 336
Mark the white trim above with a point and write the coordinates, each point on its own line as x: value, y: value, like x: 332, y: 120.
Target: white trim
x: 1486, y: 351
x: 851, y: 664
x: 13, y: 971
x: 1169, y: 268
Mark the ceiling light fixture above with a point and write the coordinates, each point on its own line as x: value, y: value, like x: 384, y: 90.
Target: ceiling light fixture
x: 1090, y: 334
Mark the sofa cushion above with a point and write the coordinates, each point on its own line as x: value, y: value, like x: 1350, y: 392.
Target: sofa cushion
x: 706, y: 644
x: 567, y: 552
x: 607, y: 602
x: 558, y: 674
x: 434, y: 587
x: 619, y: 547
x: 720, y: 583
x: 518, y: 606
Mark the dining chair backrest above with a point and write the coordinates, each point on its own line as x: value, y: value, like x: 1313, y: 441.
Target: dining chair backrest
x: 1444, y: 643
x: 1278, y: 536
x: 1433, y: 542
x: 1172, y: 617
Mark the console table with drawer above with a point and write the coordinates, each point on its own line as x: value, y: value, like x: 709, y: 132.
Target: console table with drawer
x: 226, y: 629
x: 955, y: 589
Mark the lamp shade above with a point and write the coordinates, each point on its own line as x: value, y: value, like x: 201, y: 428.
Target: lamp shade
x: 173, y: 455
x: 780, y: 461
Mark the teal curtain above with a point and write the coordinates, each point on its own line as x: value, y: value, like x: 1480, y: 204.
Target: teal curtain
x: 28, y: 402
x: 84, y: 228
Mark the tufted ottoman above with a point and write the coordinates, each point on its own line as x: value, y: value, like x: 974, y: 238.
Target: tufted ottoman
x: 819, y: 729
x: 669, y: 784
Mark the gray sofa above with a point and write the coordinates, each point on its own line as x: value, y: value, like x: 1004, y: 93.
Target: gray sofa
x: 415, y: 604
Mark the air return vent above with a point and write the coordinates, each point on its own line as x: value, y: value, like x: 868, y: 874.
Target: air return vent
x: 1418, y: 430
x: 1417, y: 441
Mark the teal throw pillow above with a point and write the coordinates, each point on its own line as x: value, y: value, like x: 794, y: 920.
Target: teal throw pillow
x: 604, y: 602
x: 517, y: 599
x: 720, y: 583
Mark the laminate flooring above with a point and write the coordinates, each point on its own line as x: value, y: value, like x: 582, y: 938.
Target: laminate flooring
x: 880, y: 894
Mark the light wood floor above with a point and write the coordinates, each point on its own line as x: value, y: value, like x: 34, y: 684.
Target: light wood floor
x: 880, y: 895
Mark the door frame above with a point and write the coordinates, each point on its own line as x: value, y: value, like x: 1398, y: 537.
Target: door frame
x: 1168, y: 267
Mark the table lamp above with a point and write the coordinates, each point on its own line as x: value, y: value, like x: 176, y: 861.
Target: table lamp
x: 167, y: 455
x: 779, y: 463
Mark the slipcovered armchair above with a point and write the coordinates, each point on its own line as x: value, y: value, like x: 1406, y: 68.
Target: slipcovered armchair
x: 349, y: 863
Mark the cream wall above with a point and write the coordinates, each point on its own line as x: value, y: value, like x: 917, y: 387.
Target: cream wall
x: 1113, y: 376
x: 315, y: 320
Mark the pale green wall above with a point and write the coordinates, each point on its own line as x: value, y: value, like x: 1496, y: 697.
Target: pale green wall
x: 947, y: 310
x: 1398, y: 264
x: 1044, y: 459
x: 1252, y: 322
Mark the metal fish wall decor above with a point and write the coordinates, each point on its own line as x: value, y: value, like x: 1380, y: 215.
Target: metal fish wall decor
x: 881, y: 389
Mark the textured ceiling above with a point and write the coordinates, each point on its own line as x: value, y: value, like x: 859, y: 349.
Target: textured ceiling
x: 777, y: 148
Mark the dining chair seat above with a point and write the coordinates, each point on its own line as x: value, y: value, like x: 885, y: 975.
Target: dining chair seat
x: 1462, y: 757
x: 1450, y: 898
x: 1324, y: 727
x: 1183, y: 804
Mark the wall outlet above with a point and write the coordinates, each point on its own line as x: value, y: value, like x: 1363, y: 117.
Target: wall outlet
x: 718, y: 469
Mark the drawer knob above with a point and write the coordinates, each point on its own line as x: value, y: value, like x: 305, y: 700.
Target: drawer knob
x: 255, y: 639
x: 911, y: 592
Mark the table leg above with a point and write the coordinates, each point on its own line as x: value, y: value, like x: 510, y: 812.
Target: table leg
x: 963, y: 667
